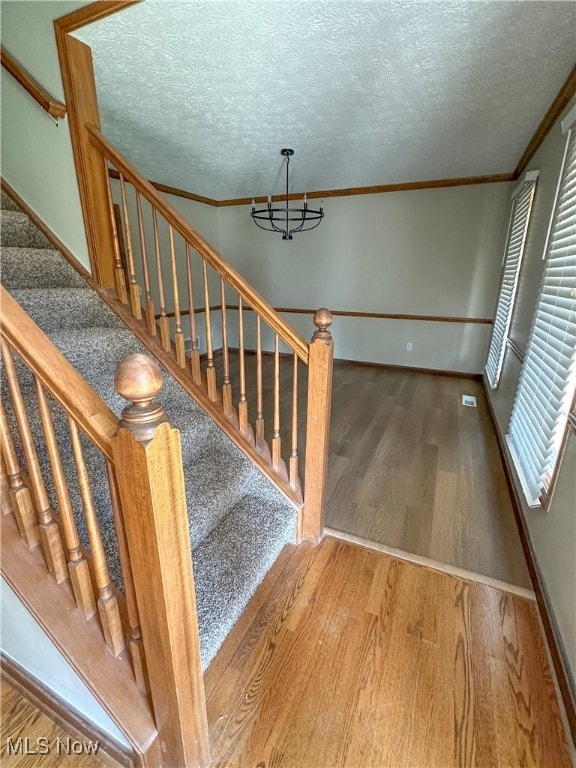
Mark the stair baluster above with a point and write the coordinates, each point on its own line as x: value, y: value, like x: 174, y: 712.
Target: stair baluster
x: 149, y: 310
x: 243, y: 403
x: 163, y: 321
x: 77, y: 564
x: 260, y: 438
x: 47, y: 527
x: 5, y: 501
x: 178, y: 335
x: 134, y: 287
x: 107, y: 603
x: 21, y: 501
x: 120, y: 276
x: 226, y: 386
x: 210, y: 369
x: 294, y: 477
x: 195, y: 352
x: 276, y: 439
x: 49, y: 530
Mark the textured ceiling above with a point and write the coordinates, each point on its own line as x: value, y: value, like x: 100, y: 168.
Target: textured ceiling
x: 203, y: 94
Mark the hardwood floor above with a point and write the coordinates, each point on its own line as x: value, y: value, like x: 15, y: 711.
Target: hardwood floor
x: 410, y: 466
x: 347, y: 657
x: 43, y: 742
x: 413, y: 468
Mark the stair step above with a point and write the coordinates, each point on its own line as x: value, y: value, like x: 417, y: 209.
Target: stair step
x: 251, y: 534
x: 37, y: 268
x: 70, y: 308
x: 95, y: 352
x: 217, y: 473
x: 6, y: 202
x: 17, y: 230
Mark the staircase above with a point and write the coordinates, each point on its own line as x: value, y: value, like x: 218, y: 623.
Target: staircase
x: 238, y: 521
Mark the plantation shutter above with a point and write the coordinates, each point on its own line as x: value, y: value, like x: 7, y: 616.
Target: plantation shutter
x: 548, y: 379
x: 519, y: 220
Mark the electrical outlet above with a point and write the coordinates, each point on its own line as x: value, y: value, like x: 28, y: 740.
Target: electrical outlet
x: 408, y: 346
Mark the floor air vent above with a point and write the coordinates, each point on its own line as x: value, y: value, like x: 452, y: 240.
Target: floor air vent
x: 469, y: 400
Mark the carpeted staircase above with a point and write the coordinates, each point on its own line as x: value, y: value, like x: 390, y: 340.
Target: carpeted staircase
x: 238, y: 521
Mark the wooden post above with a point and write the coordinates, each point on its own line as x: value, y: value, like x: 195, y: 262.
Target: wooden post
x: 148, y: 463
x: 91, y: 170
x: 321, y: 353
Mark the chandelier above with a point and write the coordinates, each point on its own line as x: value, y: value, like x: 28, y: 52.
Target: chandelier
x: 287, y: 220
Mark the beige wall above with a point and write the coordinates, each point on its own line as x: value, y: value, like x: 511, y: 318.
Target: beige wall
x: 37, y: 156
x: 425, y: 252
x: 553, y: 533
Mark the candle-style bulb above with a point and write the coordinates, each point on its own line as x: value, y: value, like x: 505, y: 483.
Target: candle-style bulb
x: 305, y: 197
x: 269, y: 199
x: 253, y: 204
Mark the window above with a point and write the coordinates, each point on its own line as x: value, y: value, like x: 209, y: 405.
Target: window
x: 548, y: 379
x: 522, y: 200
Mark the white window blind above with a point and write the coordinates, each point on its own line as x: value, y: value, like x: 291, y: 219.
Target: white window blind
x: 548, y: 379
x: 514, y: 251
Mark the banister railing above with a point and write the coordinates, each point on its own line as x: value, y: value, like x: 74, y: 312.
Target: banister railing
x: 179, y: 290
x: 204, y: 249
x: 55, y: 108
x: 57, y: 375
x: 88, y: 474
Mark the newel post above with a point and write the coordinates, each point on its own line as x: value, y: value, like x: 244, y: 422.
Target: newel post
x: 148, y: 462
x: 321, y: 353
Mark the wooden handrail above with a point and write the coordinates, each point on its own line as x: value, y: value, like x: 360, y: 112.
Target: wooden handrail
x: 62, y: 380
x: 55, y: 108
x: 220, y: 265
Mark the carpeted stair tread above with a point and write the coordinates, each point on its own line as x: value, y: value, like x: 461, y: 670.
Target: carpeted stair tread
x: 238, y: 521
x: 222, y: 589
x: 94, y: 352
x: 37, y: 268
x: 214, y: 481
x: 6, y: 202
x: 16, y: 229
x: 65, y: 308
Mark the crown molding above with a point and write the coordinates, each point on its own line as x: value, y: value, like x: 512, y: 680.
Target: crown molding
x: 560, y: 102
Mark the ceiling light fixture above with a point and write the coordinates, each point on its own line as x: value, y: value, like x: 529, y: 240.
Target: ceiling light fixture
x: 281, y: 219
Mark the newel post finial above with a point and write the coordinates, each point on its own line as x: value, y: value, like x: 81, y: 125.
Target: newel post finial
x: 138, y: 379
x: 322, y: 321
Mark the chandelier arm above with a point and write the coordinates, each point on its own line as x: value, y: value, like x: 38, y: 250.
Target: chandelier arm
x: 304, y: 211
x: 313, y: 225
x: 266, y: 229
x: 275, y: 228
x: 270, y: 211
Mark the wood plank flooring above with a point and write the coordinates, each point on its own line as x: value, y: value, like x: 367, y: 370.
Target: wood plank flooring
x: 348, y: 657
x: 20, y: 719
x: 413, y: 468
x: 410, y: 466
